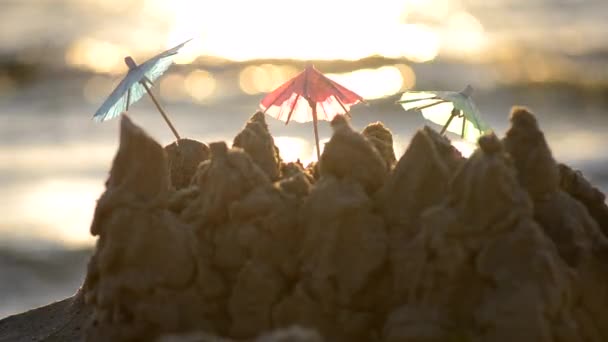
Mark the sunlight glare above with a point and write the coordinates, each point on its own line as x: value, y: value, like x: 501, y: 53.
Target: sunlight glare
x: 251, y: 79
x: 241, y: 31
x: 416, y: 42
x: 256, y: 79
x: 436, y: 10
x: 464, y: 35
x: 56, y: 158
x: 64, y: 207
x: 372, y: 83
x: 96, y: 55
x: 114, y: 6
x: 191, y: 51
x: 292, y: 148
x: 466, y: 148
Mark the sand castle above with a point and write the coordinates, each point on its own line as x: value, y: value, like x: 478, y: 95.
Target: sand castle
x: 212, y: 243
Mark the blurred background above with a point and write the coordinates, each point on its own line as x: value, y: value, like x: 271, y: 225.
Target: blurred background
x: 59, y: 59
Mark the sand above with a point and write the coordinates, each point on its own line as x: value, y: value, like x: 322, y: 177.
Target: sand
x: 507, y: 245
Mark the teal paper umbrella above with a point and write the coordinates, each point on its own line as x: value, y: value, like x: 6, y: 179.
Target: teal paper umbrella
x: 138, y: 81
x: 442, y: 107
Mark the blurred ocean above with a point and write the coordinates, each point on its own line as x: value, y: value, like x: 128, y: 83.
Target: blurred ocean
x: 54, y: 159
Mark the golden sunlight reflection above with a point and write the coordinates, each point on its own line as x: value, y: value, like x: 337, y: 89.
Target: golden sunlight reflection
x: 416, y: 42
x: 417, y: 30
x: 185, y: 17
x: 408, y: 75
x: 516, y: 65
x: 62, y: 208
x: 436, y: 10
x: 55, y: 158
x: 189, y: 52
x: 227, y: 29
x: 292, y: 148
x: 464, y: 35
x: 96, y: 55
x: 255, y: 79
x: 200, y: 84
x: 374, y: 83
x: 115, y: 6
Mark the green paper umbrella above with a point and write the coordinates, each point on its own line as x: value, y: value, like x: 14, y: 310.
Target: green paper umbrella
x: 442, y: 107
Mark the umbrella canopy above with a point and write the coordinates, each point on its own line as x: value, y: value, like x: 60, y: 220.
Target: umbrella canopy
x: 309, y: 96
x: 138, y: 81
x: 442, y: 107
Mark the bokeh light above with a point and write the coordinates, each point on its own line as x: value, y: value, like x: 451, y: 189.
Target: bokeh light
x: 317, y: 30
x: 256, y: 79
x: 62, y: 206
x: 200, y: 85
x: 96, y: 55
x: 416, y: 42
x: 466, y: 148
x: 463, y: 36
x: 372, y: 83
x: 369, y: 83
x: 407, y: 75
x: 417, y: 30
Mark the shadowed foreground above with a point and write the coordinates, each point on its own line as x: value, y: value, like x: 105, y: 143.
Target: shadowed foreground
x: 197, y: 241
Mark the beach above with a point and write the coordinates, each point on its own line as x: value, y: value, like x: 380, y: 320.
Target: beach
x: 55, y: 160
x: 55, y: 163
x: 263, y: 244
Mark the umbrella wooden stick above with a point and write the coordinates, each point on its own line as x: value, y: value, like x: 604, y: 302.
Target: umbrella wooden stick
x: 314, y: 123
x: 341, y: 105
x: 285, y: 91
x: 420, y: 99
x: 132, y: 65
x: 128, y: 100
x: 339, y: 93
x: 464, y: 122
x: 445, y: 127
x: 431, y: 104
x: 161, y: 110
x: 295, y: 103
